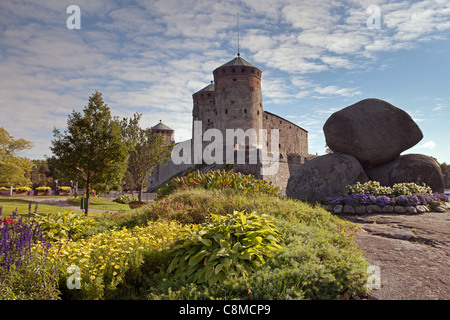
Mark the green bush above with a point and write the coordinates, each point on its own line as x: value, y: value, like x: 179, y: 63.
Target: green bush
x: 398, y: 189
x: 218, y: 180
x: 126, y: 198
x: 64, y: 224
x: 318, y: 258
x: 227, y: 247
x: 42, y: 189
x: 21, y: 189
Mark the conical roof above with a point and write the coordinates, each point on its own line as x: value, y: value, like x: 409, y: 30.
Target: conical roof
x: 209, y: 87
x: 161, y: 126
x: 238, y: 61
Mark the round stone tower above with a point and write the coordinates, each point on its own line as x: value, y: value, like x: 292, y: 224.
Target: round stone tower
x: 237, y: 96
x: 204, y: 109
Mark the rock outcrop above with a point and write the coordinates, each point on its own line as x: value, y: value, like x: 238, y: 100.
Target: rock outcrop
x: 409, y: 168
x: 372, y: 130
x: 325, y: 175
x: 367, y: 139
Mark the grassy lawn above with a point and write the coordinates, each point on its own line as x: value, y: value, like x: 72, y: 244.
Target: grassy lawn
x: 100, y: 203
x: 9, y: 204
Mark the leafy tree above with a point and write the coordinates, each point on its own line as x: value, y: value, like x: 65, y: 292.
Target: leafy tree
x: 14, y: 170
x: 445, y: 168
x: 92, y: 150
x: 147, y: 150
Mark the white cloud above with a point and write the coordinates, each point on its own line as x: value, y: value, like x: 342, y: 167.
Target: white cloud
x: 428, y: 145
x: 150, y: 56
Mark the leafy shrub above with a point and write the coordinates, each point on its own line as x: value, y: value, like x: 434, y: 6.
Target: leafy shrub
x: 374, y: 188
x: 218, y: 180
x: 228, y: 247
x: 106, y: 259
x: 43, y: 189
x: 25, y: 271
x: 318, y: 259
x: 126, y: 198
x: 68, y: 224
x: 21, y: 189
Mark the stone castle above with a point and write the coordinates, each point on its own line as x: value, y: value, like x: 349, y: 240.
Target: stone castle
x: 234, y: 101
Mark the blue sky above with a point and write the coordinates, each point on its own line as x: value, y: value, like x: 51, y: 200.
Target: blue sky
x: 150, y: 57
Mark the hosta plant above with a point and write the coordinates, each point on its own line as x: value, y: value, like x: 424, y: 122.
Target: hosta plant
x: 228, y: 246
x: 68, y: 224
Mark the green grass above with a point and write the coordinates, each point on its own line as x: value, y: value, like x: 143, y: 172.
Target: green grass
x: 10, y: 204
x: 101, y: 203
x: 319, y: 259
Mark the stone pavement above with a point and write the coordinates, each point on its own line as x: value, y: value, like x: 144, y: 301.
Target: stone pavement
x: 412, y: 252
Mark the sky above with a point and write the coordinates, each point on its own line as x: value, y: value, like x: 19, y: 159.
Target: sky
x: 316, y: 57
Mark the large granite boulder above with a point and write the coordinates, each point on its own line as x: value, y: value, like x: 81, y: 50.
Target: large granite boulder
x: 409, y: 168
x: 325, y: 175
x: 372, y: 130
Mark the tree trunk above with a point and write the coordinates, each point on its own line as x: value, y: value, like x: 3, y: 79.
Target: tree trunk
x: 88, y: 185
x: 141, y: 185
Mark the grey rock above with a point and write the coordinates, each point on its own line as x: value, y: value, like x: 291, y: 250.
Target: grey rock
x: 337, y: 208
x: 399, y: 209
x: 409, y: 168
x: 387, y: 209
x: 372, y: 130
x: 411, y: 210
x: 325, y: 175
x: 440, y: 209
x: 360, y: 209
x: 373, y: 208
x: 349, y: 209
x: 422, y: 209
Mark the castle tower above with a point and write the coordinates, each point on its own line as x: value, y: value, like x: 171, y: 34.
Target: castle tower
x: 237, y: 96
x: 204, y: 109
x: 166, y: 132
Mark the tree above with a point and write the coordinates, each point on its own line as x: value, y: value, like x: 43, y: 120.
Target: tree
x: 14, y: 170
x: 92, y: 150
x: 445, y: 168
x: 147, y: 150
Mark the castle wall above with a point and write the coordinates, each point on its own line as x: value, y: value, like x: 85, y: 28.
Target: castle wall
x: 293, y: 140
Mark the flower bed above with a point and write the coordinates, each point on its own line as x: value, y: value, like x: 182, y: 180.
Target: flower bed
x: 373, y: 198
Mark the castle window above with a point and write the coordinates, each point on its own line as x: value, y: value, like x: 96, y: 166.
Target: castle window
x: 279, y: 145
x: 243, y: 70
x: 281, y: 122
x: 233, y: 70
x: 226, y: 111
x: 209, y: 94
x: 232, y: 102
x: 245, y: 110
x: 257, y: 112
x: 223, y: 70
x: 234, y: 79
x: 208, y: 120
